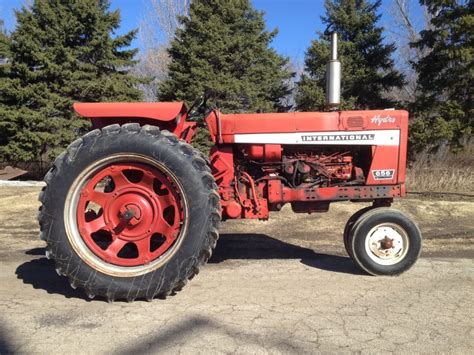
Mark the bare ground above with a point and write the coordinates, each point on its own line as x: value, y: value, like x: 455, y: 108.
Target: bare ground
x: 285, y: 285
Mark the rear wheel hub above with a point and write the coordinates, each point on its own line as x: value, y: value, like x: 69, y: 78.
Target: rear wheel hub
x: 129, y: 214
x: 133, y: 212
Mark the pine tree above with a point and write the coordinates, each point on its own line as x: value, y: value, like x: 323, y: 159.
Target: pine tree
x: 4, y: 44
x: 5, y: 55
x: 223, y: 48
x: 61, y: 52
x: 368, y: 72
x: 446, y: 75
x: 4, y: 51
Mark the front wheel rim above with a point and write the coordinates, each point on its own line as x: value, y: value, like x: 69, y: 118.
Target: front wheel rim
x: 387, y: 244
x: 129, y: 228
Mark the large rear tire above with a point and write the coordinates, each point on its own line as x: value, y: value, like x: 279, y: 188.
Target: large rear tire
x: 129, y: 212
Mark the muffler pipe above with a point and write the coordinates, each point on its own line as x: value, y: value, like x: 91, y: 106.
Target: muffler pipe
x: 333, y: 76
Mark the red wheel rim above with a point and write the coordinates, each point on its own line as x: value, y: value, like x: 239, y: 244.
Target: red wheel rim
x: 129, y: 214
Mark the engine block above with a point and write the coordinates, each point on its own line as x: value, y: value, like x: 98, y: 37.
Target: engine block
x: 317, y: 169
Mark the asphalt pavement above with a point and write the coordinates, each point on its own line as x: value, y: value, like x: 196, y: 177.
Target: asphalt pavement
x: 285, y: 286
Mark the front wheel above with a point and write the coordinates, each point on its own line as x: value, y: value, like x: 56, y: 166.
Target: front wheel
x: 129, y: 212
x: 384, y: 241
x: 348, y: 228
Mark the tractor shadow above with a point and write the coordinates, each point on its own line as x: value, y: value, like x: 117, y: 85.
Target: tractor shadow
x: 40, y: 273
x: 248, y: 246
x: 5, y: 339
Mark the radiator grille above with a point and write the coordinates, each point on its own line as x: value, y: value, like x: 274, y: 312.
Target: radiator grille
x: 355, y: 121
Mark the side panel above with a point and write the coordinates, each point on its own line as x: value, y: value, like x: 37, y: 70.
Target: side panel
x: 265, y: 136
x: 385, y: 165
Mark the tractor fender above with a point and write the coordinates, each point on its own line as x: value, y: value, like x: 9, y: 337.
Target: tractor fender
x: 163, y: 114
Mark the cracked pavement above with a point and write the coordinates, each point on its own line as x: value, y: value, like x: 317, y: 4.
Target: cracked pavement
x: 271, y: 287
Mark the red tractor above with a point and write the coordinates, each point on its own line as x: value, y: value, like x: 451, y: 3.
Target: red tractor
x: 131, y: 210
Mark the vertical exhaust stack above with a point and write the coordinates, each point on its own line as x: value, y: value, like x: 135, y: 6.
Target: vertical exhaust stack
x: 333, y: 76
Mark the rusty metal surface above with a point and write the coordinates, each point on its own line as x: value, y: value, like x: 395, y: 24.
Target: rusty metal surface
x: 10, y: 173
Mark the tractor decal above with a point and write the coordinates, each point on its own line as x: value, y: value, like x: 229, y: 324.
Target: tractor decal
x: 374, y: 137
x: 384, y: 174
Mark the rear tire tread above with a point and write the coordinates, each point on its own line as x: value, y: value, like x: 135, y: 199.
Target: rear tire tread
x: 208, y: 182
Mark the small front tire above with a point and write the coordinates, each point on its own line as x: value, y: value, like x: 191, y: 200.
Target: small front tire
x: 348, y: 228
x: 384, y: 241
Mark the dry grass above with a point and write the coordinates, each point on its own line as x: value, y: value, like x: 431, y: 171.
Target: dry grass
x: 443, y: 172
